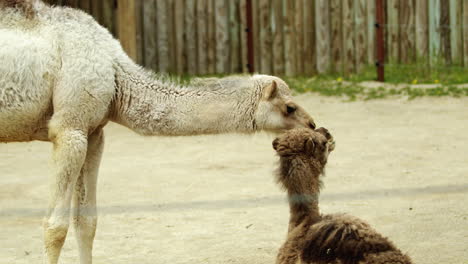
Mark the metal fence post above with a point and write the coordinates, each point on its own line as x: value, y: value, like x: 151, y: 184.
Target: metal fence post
x: 250, y: 44
x: 379, y: 27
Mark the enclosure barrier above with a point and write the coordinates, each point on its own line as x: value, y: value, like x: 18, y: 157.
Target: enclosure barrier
x: 288, y: 37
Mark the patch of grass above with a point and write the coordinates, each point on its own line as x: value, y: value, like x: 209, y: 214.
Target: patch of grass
x: 421, y: 73
x: 335, y: 84
x: 353, y: 91
x: 418, y: 73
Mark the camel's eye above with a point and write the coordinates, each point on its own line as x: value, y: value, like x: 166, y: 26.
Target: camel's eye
x: 290, y: 109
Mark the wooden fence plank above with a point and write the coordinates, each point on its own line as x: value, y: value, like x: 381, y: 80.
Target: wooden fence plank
x: 265, y: 37
x: 179, y: 13
x: 434, y: 29
x: 278, y: 40
x: 407, y: 31
x: 108, y: 15
x: 85, y: 5
x: 96, y: 10
x: 127, y: 27
x: 310, y: 38
x: 71, y: 3
x: 445, y: 31
x: 190, y: 37
x: 465, y: 34
x: 202, y: 36
x: 453, y: 30
x: 243, y: 35
x: 256, y: 35
x: 290, y: 37
x: 211, y: 47
x: 150, y: 34
x: 361, y: 33
x: 322, y: 24
x: 234, y: 37
x: 163, y: 29
x: 393, y: 31
x: 139, y: 30
x: 336, y: 15
x: 371, y: 42
x: 222, y: 36
x: 299, y: 17
x: 456, y: 26
x: 115, y: 18
x: 172, y: 36
x: 460, y: 39
x: 349, y: 58
x: 422, y: 29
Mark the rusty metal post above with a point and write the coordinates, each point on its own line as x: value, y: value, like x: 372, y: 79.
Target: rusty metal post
x: 379, y: 27
x: 250, y: 44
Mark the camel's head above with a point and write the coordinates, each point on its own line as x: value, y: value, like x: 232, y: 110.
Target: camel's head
x: 277, y: 111
x: 302, y: 141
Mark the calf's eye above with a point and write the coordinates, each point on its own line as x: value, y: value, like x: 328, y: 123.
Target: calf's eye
x: 290, y: 109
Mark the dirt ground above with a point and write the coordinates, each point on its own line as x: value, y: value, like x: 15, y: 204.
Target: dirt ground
x: 401, y: 165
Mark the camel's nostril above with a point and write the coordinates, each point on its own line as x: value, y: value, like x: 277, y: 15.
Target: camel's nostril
x: 312, y: 124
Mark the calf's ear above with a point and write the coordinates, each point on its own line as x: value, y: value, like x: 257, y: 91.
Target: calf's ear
x: 275, y: 144
x: 269, y: 92
x: 309, y: 145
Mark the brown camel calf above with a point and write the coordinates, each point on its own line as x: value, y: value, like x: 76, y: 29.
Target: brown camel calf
x: 316, y: 238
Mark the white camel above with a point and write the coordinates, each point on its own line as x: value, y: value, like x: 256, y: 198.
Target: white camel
x: 63, y: 77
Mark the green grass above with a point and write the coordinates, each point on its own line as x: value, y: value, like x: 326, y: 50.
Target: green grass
x: 354, y: 91
x: 408, y: 73
x: 350, y: 88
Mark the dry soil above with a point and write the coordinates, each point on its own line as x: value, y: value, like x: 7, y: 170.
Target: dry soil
x: 401, y: 165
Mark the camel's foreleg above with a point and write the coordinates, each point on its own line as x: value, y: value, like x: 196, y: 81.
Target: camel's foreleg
x: 292, y: 249
x: 288, y: 253
x: 67, y: 159
x: 84, y: 198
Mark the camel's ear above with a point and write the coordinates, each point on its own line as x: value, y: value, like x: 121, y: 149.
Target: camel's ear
x: 324, y: 132
x: 275, y: 144
x: 309, y: 145
x: 270, y: 91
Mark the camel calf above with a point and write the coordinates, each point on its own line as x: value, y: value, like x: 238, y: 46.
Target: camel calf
x: 317, y: 238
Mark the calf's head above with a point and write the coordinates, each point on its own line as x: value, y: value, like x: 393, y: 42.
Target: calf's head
x: 277, y: 112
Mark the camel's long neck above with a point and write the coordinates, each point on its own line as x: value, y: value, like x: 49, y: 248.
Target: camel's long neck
x: 154, y: 107
x: 303, y: 186
x: 301, y: 207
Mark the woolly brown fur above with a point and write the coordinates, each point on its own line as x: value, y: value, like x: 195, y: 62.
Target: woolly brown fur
x: 316, y: 238
x: 24, y: 6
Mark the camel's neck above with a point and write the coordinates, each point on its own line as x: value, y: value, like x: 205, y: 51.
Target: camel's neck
x: 301, y: 180
x: 155, y: 107
x: 303, y: 206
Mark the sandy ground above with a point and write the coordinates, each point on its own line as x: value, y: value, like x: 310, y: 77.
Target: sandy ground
x: 401, y: 165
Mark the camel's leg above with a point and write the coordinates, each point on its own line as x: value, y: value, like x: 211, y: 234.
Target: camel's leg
x: 69, y: 153
x: 84, y: 199
x: 291, y: 251
x: 288, y: 253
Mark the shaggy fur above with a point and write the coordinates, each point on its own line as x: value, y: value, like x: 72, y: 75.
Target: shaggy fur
x: 63, y: 77
x: 316, y: 238
x: 25, y: 6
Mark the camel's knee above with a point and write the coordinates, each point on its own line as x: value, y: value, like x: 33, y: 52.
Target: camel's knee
x: 85, y: 226
x: 54, y: 237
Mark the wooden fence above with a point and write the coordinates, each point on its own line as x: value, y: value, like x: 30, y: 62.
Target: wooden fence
x: 291, y: 37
